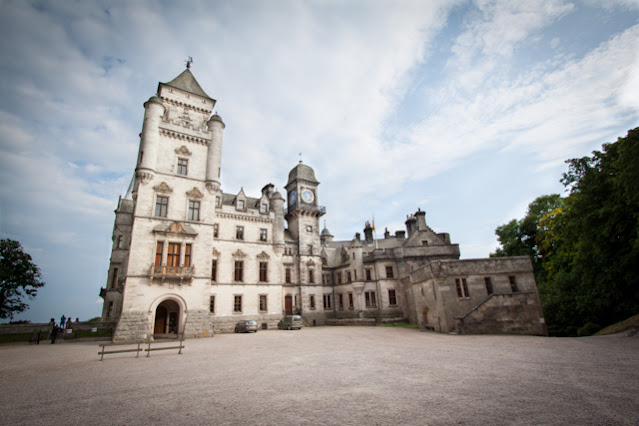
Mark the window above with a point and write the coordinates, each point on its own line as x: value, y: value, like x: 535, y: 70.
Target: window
x: 263, y: 306
x: 348, y: 276
x: 239, y: 270
x: 489, y: 285
x: 263, y: 208
x: 239, y: 233
x: 161, y: 206
x: 311, y: 276
x: 263, y: 272
x: 187, y: 255
x: 350, y: 300
x: 341, y: 301
x: 173, y: 257
x: 182, y: 166
x: 263, y: 234
x: 392, y: 297
x: 309, y: 228
x: 389, y: 272
x: 114, y: 278
x: 355, y: 274
x: 159, y: 251
x: 327, y: 301
x: 288, y: 275
x: 120, y: 242
x: 370, y: 299
x: 110, y: 311
x: 462, y: 287
x: 237, y: 303
x: 212, y: 305
x: 312, y: 301
x: 194, y: 210
x: 339, y: 277
x: 310, y: 249
x: 218, y: 201
x: 240, y: 204
x: 214, y: 270
x: 216, y: 230
x: 513, y: 284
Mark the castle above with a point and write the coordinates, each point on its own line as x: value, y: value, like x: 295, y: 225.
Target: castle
x: 190, y: 259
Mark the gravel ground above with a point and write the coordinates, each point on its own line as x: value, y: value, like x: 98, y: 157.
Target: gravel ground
x: 328, y: 375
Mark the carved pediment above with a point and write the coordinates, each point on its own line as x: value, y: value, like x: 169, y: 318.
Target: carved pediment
x: 239, y: 253
x: 195, y: 193
x: 183, y: 150
x: 310, y: 263
x: 163, y: 187
x: 215, y: 253
x: 263, y: 256
x: 176, y: 228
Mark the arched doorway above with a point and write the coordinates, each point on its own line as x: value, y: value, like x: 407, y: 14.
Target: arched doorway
x: 167, y: 317
x: 427, y: 318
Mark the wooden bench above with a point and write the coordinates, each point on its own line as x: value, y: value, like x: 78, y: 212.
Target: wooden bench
x: 139, y: 348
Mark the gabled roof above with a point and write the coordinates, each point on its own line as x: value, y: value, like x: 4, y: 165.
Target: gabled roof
x: 187, y: 82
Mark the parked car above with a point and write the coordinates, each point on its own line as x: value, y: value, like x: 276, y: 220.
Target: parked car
x: 290, y: 322
x: 246, y: 326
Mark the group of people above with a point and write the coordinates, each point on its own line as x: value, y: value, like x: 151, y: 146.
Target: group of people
x: 64, y: 323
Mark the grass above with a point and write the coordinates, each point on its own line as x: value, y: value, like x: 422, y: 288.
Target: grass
x: 632, y: 322
x: 398, y: 324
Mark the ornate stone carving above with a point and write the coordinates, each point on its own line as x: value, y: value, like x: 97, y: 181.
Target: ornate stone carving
x: 194, y: 193
x: 183, y: 150
x: 215, y: 253
x: 163, y: 187
x: 212, y: 187
x: 176, y: 228
x: 144, y: 177
x: 239, y: 254
x: 263, y: 256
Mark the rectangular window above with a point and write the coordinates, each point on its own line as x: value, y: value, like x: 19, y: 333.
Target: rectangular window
x: 312, y: 301
x: 389, y: 272
x: 311, y: 276
x: 182, y: 166
x: 114, y: 278
x: 392, y: 298
x: 263, y: 306
x: 239, y: 271
x: 327, y: 301
x: 263, y: 234
x: 339, y: 278
x: 159, y: 250
x: 462, y: 287
x: 369, y: 296
x: 263, y: 272
x: 237, y: 303
x: 513, y: 284
x: 263, y: 208
x: 173, y: 257
x: 368, y: 275
x: 212, y: 305
x: 187, y: 255
x: 355, y: 273
x: 348, y: 276
x: 161, y: 206
x: 239, y: 233
x: 240, y: 204
x: 341, y: 301
x: 489, y: 285
x: 350, y: 300
x: 216, y: 230
x: 218, y: 201
x: 110, y: 311
x: 120, y: 245
x: 214, y: 270
x: 194, y: 210
x: 288, y: 275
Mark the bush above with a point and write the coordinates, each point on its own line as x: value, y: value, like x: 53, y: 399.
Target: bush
x: 588, y: 330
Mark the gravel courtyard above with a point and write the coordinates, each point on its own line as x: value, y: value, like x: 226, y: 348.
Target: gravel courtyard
x: 328, y: 375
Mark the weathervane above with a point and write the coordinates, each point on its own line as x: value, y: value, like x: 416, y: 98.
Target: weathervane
x: 189, y: 62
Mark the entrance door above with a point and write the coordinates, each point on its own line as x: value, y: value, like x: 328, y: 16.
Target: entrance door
x: 167, y: 317
x: 288, y: 304
x: 160, y: 320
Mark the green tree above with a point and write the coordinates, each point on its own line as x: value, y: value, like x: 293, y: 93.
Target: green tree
x: 19, y: 277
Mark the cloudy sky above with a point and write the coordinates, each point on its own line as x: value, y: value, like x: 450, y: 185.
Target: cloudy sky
x: 465, y: 109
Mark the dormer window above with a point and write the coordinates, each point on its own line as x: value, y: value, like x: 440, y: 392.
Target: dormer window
x: 263, y: 208
x: 240, y: 204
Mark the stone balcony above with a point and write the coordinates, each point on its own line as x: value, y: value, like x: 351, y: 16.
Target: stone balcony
x: 176, y: 273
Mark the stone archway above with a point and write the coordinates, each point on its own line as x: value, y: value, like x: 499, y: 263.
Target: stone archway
x: 427, y: 318
x: 167, y: 318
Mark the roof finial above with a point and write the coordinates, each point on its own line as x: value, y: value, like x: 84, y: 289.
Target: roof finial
x: 189, y: 62
x: 300, y: 158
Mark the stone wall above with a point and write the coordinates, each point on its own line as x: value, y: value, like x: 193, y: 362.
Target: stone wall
x: 505, y: 313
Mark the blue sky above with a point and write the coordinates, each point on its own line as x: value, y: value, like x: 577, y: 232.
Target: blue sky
x: 465, y: 109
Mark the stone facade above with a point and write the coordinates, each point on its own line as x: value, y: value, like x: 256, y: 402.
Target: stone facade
x: 190, y: 259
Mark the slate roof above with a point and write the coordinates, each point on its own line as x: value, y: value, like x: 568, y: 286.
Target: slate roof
x: 187, y: 82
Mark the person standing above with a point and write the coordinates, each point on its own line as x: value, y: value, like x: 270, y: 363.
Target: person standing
x: 54, y: 333
x: 62, y: 321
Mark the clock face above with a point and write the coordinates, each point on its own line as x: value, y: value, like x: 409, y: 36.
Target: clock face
x: 292, y: 197
x: 307, y: 196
